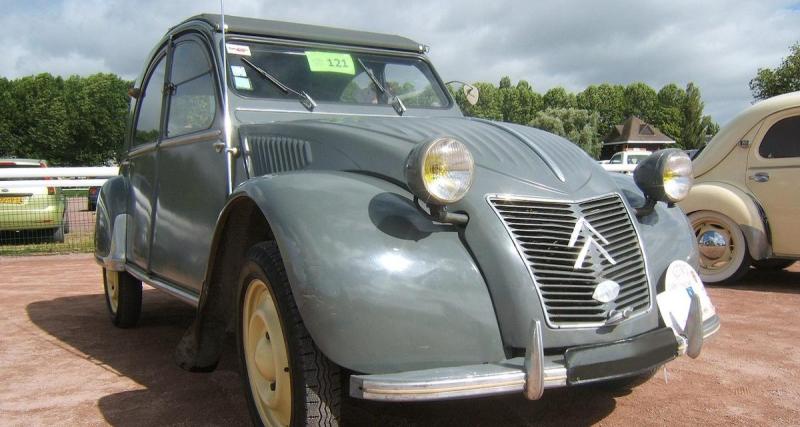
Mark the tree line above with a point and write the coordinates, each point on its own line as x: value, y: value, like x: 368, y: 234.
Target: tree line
x: 587, y: 117
x: 77, y: 121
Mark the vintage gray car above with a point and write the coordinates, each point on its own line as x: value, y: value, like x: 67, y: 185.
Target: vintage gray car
x: 317, y: 192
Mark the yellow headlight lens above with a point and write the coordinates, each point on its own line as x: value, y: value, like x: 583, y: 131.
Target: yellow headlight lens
x: 677, y: 176
x: 447, y: 169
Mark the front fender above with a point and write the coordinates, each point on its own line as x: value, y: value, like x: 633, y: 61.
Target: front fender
x: 738, y: 206
x: 379, y: 286
x: 110, y: 223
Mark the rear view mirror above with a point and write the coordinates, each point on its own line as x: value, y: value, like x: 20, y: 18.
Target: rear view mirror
x: 472, y: 93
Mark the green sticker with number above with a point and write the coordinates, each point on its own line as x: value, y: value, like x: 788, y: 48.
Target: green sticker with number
x: 330, y: 62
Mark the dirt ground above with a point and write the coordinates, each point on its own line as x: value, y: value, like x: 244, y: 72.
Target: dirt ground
x: 63, y: 363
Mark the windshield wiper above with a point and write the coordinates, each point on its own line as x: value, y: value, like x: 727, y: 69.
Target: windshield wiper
x: 303, y: 97
x: 396, y: 103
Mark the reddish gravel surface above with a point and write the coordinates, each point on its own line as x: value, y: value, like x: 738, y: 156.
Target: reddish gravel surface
x: 62, y: 363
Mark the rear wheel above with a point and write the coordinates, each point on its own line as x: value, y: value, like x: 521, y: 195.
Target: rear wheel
x: 123, y: 297
x: 723, y: 248
x: 287, y: 380
x: 773, y: 264
x: 58, y: 234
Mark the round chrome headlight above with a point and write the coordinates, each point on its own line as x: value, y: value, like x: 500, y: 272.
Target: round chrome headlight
x: 440, y: 171
x: 665, y: 175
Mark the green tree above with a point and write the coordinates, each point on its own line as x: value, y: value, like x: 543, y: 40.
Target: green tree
x: 576, y: 125
x: 783, y: 79
x: 609, y: 103
x: 693, y: 134
x: 558, y: 97
x: 669, y: 112
x: 640, y: 101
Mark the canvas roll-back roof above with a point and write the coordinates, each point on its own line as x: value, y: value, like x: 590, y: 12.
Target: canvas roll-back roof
x: 305, y: 32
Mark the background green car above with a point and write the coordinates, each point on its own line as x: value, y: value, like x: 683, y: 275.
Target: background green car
x: 32, y: 207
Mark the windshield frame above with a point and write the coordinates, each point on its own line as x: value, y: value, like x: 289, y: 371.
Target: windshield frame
x: 449, y: 105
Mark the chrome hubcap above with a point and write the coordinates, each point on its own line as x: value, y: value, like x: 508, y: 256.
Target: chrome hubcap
x: 715, y: 245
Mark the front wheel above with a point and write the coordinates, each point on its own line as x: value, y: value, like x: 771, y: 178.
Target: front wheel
x: 723, y: 248
x: 287, y: 380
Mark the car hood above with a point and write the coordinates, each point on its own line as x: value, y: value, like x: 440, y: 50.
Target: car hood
x: 509, y: 158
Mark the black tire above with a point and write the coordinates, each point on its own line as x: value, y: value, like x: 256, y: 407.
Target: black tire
x: 628, y: 383
x: 127, y: 308
x: 316, y: 392
x: 58, y: 235
x: 773, y: 264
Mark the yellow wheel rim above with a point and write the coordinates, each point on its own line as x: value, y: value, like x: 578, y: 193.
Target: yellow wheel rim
x: 112, y: 289
x: 266, y: 356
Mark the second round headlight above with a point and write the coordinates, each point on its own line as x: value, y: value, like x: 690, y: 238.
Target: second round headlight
x: 440, y: 171
x: 665, y: 175
x: 677, y: 175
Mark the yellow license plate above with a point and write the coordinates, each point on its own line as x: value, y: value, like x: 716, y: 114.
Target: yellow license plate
x: 11, y: 200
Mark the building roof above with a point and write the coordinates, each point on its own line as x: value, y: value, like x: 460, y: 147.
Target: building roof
x: 636, y: 130
x: 304, y: 32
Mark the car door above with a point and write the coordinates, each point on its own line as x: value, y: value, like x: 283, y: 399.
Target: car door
x: 140, y: 164
x: 773, y: 174
x: 192, y: 185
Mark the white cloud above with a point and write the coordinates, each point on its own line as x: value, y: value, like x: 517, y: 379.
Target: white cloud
x: 717, y: 44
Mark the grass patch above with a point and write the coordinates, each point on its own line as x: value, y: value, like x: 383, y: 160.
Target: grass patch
x: 75, y: 192
x: 73, y: 243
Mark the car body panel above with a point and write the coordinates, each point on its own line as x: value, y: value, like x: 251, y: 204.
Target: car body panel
x: 778, y: 195
x: 380, y: 287
x: 724, y: 172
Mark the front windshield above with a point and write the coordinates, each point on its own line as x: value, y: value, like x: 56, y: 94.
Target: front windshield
x: 332, y: 76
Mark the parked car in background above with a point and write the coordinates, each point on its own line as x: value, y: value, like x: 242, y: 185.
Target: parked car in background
x: 356, y: 224
x: 36, y: 207
x: 625, y: 161
x: 745, y: 204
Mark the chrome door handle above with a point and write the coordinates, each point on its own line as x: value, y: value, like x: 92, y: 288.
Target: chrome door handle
x: 220, y: 147
x: 760, y: 177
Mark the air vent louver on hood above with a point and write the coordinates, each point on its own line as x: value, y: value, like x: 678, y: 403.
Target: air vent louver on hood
x: 274, y: 154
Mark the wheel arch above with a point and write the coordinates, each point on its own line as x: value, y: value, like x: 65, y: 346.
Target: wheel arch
x: 354, y: 248
x: 737, y: 205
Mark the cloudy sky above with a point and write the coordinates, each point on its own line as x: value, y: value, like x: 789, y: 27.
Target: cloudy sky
x: 717, y: 44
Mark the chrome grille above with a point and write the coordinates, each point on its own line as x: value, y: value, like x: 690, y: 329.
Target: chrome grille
x: 542, y: 231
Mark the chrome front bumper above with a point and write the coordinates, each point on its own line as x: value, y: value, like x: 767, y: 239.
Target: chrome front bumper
x: 530, y: 374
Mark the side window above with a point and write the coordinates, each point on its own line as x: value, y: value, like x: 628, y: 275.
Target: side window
x: 193, y: 104
x: 616, y: 159
x: 149, y: 118
x: 782, y: 139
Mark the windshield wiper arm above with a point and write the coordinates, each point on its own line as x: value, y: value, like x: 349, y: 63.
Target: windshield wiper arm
x: 397, y: 104
x: 303, y: 97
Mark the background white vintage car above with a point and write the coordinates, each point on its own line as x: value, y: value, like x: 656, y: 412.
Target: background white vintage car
x: 745, y: 204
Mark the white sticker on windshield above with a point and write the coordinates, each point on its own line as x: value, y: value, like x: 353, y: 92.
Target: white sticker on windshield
x: 242, y: 83
x: 237, y: 49
x: 238, y: 71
